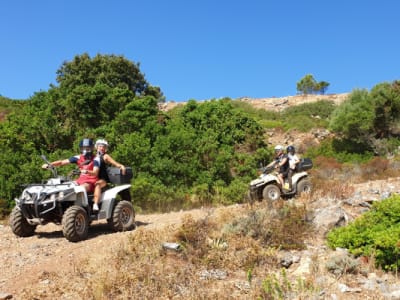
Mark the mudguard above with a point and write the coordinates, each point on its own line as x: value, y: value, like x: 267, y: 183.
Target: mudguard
x: 108, y: 199
x: 263, y: 179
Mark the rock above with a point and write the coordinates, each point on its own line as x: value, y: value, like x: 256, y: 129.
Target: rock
x: 172, y: 246
x: 328, y: 218
x: 213, y: 274
x: 5, y: 296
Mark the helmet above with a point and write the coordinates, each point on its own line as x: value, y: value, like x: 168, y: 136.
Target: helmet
x: 290, y: 149
x: 86, y: 147
x: 101, y: 142
x: 278, y: 148
x: 86, y: 143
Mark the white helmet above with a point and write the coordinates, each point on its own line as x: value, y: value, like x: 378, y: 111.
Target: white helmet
x: 101, y: 142
x: 277, y: 148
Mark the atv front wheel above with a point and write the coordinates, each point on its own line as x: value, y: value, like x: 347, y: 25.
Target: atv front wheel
x: 19, y: 225
x: 304, y: 186
x: 123, y: 217
x: 75, y: 224
x: 271, y: 193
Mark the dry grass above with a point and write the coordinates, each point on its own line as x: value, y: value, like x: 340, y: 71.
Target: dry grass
x: 217, y: 254
x: 233, y: 253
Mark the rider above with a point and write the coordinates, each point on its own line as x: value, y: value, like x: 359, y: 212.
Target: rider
x: 105, y: 158
x: 88, y: 164
x: 293, y: 161
x: 281, y: 162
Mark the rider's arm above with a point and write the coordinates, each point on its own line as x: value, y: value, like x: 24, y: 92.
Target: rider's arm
x: 96, y: 168
x: 57, y: 163
x: 110, y: 160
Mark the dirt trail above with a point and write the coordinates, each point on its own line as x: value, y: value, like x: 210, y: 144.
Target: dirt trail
x: 24, y: 261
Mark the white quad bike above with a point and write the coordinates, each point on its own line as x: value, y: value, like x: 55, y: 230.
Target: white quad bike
x: 267, y: 187
x: 61, y: 201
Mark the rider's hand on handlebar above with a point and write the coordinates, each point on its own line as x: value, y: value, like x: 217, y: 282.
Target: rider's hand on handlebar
x: 46, y: 166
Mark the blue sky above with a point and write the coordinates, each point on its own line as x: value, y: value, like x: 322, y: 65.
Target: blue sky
x: 205, y: 49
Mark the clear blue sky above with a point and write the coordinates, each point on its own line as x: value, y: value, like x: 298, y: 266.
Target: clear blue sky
x: 207, y: 48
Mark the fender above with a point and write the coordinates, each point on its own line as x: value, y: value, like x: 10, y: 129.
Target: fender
x: 111, y: 193
x: 108, y: 199
x: 297, y: 176
x: 264, y: 179
x: 81, y: 196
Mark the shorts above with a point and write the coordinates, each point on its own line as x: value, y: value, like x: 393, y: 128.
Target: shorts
x: 284, y: 173
x: 91, y: 182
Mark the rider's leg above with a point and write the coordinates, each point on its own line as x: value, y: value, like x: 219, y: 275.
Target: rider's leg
x: 86, y: 186
x: 289, y: 178
x: 97, y: 191
x: 280, y: 179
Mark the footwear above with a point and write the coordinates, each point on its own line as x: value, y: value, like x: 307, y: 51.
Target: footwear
x: 95, y: 207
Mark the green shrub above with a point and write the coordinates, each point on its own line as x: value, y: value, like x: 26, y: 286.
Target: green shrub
x: 320, y: 109
x: 341, y: 150
x: 301, y: 123
x: 376, y: 233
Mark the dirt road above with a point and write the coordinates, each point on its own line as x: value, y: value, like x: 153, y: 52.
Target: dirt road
x: 25, y: 261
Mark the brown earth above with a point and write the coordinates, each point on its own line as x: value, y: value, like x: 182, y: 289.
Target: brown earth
x: 27, y: 263
x: 276, y: 104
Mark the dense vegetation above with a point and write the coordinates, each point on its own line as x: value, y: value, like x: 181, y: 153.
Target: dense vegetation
x: 191, y: 155
x: 375, y: 234
x: 196, y: 154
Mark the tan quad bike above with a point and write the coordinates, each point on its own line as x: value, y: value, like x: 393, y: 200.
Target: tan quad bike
x: 61, y: 201
x: 267, y: 187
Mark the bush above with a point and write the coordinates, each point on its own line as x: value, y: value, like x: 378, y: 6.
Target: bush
x: 376, y: 234
x: 285, y: 228
x: 344, y: 151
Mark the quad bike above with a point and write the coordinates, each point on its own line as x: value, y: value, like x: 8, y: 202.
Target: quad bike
x: 267, y: 186
x: 61, y: 201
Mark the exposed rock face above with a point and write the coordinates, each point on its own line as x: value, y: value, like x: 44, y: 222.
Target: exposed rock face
x: 273, y: 103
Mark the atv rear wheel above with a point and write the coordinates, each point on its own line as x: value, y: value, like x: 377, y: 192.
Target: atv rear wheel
x: 75, y: 224
x: 271, y: 193
x: 19, y: 225
x: 123, y: 217
x: 303, y: 186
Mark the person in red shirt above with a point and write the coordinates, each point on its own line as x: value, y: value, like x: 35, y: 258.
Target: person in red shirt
x: 87, y: 162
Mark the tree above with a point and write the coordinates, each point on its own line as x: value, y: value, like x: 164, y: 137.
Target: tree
x: 321, y: 87
x: 370, y: 118
x: 109, y: 70
x: 93, y: 91
x: 308, y: 85
x: 354, y: 118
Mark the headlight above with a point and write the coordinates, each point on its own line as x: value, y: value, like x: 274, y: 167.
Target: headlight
x: 26, y: 196
x: 60, y: 196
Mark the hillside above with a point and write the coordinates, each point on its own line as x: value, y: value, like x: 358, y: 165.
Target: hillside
x: 274, y: 103
x: 212, y: 263
x: 47, y: 266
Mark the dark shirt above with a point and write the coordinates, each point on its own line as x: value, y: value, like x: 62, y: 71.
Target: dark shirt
x: 284, y: 168
x: 103, y: 169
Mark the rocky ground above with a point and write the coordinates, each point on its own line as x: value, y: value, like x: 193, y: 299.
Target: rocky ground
x: 26, y: 262
x: 273, y: 103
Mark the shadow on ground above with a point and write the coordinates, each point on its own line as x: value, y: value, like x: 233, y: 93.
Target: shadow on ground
x: 95, y: 230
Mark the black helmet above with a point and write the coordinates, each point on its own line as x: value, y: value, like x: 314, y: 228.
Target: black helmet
x: 86, y: 147
x: 290, y: 149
